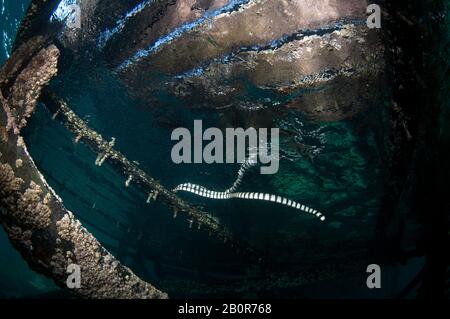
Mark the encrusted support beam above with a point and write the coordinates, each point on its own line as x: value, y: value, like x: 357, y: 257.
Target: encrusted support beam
x: 48, y: 236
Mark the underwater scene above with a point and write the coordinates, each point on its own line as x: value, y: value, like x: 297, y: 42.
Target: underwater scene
x: 99, y: 96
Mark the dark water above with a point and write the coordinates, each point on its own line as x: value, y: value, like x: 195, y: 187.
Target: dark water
x: 335, y: 167
x: 340, y: 173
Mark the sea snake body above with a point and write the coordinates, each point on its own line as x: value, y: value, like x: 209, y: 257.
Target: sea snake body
x: 202, y: 191
x: 231, y: 194
x: 250, y: 162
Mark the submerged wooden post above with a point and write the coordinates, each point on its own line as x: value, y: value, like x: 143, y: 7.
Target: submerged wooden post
x: 48, y: 236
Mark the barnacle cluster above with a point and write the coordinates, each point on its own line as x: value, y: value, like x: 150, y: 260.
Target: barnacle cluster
x: 46, y: 233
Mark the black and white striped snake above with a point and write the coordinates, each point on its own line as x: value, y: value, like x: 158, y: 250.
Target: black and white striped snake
x: 232, y: 194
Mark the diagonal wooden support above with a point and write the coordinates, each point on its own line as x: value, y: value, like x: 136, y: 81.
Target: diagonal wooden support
x: 134, y: 174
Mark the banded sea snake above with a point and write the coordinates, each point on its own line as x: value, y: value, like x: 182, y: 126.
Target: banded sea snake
x: 232, y: 194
